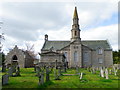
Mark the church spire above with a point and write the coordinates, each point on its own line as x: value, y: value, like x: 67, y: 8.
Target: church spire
x: 75, y: 32
x: 75, y: 13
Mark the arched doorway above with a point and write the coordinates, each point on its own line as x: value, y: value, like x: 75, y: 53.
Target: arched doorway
x: 14, y: 60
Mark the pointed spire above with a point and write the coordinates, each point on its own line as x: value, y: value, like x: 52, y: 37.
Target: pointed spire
x: 75, y: 13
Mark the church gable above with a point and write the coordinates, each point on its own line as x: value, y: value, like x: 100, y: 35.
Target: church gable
x: 57, y: 45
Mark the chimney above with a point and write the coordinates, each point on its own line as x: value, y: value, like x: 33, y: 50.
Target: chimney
x: 46, y: 37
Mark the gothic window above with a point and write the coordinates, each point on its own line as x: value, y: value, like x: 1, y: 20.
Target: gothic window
x: 14, y: 57
x: 65, y: 56
x: 75, y: 33
x: 100, y: 60
x: 99, y: 50
x: 75, y: 56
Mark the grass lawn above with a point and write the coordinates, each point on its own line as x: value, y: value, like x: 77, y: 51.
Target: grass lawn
x: 29, y: 80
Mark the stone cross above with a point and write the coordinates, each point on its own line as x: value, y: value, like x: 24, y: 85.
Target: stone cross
x: 106, y: 73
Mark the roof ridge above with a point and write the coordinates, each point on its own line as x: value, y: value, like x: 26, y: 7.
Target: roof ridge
x: 58, y: 40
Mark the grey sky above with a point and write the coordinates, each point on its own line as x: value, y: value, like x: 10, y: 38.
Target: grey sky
x: 30, y: 21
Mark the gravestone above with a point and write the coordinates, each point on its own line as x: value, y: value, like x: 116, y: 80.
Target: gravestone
x: 102, y: 72
x: 55, y: 64
x: 5, y: 79
x: 106, y: 73
x: 47, y: 74
x: 37, y: 70
x: 17, y: 71
x: 56, y: 75
x: 110, y: 71
x: 10, y: 71
x: 42, y: 77
x: 59, y: 71
x: 3, y: 68
x: 77, y: 70
x: 81, y: 75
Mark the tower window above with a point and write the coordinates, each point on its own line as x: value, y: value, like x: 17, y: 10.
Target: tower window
x: 75, y: 33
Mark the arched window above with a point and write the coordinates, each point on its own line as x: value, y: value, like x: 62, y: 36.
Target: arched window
x: 75, y: 56
x: 14, y: 57
x: 100, y: 51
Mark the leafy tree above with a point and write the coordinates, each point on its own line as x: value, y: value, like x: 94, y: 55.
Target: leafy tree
x: 116, y: 57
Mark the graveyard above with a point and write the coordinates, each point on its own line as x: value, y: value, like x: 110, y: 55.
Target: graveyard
x: 58, y: 78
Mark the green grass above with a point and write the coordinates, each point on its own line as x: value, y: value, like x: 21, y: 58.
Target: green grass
x: 29, y: 80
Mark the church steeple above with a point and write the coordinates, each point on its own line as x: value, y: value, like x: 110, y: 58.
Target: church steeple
x: 75, y: 32
x: 75, y: 13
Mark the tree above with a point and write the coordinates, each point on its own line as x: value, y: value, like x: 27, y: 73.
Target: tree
x: 116, y: 57
x: 30, y: 50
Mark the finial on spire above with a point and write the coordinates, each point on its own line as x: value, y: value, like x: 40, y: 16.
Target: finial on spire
x: 75, y: 13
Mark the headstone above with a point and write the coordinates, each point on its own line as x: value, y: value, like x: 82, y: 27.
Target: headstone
x: 41, y: 78
x: 106, y: 73
x: 3, y: 68
x: 101, y: 73
x: 55, y: 64
x: 81, y: 75
x: 57, y: 77
x: 37, y: 70
x: 47, y: 74
x: 110, y: 71
x: 59, y: 71
x: 77, y: 69
x: 5, y: 79
x: 10, y: 71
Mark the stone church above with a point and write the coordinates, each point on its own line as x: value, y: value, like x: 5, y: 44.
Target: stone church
x: 19, y: 57
x: 77, y: 52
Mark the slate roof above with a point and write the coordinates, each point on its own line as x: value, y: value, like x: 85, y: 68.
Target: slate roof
x: 93, y: 44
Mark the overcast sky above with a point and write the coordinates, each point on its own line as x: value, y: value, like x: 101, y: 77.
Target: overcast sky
x: 28, y: 22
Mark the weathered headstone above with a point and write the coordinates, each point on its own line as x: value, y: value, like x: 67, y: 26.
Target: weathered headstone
x: 77, y: 69
x: 81, y: 75
x: 37, y: 70
x: 3, y: 68
x: 10, y: 71
x: 55, y: 64
x: 102, y: 72
x: 47, y: 74
x: 59, y: 71
x: 106, y: 73
x: 57, y: 77
x: 41, y: 78
x: 5, y: 79
x: 110, y: 71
